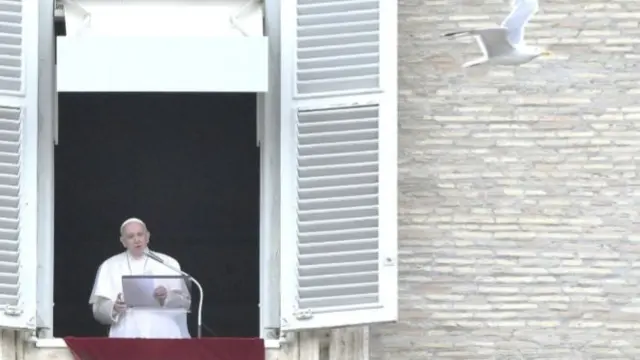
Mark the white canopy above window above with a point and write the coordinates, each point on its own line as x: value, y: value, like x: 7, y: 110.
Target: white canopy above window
x: 166, y: 46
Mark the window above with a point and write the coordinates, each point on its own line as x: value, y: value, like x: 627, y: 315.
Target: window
x: 185, y: 163
x: 328, y: 173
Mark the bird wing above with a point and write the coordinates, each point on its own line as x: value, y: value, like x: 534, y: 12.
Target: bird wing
x: 493, y: 42
x: 515, y: 22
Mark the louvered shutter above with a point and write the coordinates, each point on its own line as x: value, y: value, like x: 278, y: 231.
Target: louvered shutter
x: 18, y: 163
x: 339, y: 163
x: 11, y: 47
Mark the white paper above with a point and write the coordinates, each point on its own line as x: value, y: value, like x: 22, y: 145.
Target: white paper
x: 138, y: 292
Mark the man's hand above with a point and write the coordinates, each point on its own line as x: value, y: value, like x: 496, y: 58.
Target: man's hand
x: 119, y: 306
x: 160, y: 293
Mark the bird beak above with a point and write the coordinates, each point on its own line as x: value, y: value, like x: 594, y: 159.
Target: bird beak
x: 547, y: 53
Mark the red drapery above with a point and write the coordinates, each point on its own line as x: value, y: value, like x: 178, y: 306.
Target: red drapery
x: 169, y: 349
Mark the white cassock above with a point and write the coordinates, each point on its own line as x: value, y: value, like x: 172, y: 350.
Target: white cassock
x: 140, y: 323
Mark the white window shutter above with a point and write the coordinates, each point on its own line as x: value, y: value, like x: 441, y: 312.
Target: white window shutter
x: 339, y: 163
x: 18, y: 163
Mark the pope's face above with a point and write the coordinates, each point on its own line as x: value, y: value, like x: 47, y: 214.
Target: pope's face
x: 135, y: 238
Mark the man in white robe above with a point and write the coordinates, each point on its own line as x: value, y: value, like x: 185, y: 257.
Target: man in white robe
x: 109, y: 306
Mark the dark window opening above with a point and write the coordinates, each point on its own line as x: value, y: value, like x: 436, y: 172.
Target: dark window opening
x: 186, y: 164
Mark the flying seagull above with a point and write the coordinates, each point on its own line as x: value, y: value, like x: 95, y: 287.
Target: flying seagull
x: 505, y: 45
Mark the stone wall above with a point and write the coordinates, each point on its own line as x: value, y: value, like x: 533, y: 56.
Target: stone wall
x: 520, y: 191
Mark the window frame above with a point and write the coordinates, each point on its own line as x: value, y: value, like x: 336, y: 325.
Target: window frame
x: 268, y: 139
x: 46, y: 133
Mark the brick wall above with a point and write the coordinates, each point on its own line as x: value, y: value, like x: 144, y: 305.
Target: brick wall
x: 520, y: 192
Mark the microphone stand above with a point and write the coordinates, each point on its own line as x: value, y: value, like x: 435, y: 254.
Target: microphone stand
x: 191, y: 278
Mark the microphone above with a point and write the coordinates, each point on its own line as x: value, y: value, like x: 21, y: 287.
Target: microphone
x: 157, y: 258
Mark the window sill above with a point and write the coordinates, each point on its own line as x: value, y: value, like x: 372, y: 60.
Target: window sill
x: 51, y: 343
x: 60, y: 343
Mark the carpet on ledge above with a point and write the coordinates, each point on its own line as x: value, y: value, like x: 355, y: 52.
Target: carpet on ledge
x: 166, y: 349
